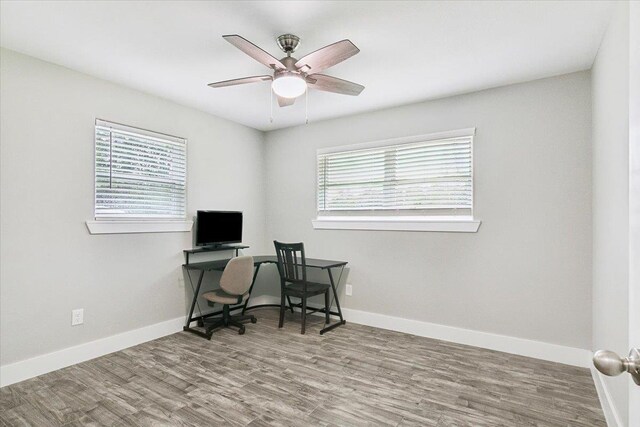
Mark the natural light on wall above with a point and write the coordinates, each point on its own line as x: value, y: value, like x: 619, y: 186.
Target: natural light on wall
x: 419, y: 183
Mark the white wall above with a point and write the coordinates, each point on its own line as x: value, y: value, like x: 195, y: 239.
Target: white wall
x: 526, y: 273
x: 610, y: 89
x: 49, y: 262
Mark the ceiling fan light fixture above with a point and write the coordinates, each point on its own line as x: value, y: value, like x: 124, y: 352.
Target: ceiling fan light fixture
x: 291, y: 77
x: 289, y: 85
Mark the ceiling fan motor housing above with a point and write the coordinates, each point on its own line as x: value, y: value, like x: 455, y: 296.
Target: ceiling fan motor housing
x: 290, y: 63
x: 288, y: 43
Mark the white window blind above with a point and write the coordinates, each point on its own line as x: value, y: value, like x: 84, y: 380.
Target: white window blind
x: 422, y: 175
x: 139, y: 174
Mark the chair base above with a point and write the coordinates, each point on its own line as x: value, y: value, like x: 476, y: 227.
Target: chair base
x: 227, y: 321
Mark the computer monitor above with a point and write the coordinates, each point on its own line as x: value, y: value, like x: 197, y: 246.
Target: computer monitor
x: 215, y: 228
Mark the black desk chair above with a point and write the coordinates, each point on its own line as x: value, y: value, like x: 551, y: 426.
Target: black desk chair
x: 292, y: 267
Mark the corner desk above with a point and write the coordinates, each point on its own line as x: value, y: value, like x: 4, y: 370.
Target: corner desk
x: 258, y: 261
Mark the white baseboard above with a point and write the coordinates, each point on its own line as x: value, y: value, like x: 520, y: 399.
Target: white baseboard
x: 608, y: 407
x: 523, y: 347
x: 39, y: 365
x: 29, y: 368
x: 25, y: 369
x: 520, y: 346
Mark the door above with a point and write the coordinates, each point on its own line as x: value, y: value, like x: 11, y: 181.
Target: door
x: 634, y: 199
x: 608, y: 362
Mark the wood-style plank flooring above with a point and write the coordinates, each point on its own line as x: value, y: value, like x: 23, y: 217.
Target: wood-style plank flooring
x: 353, y: 375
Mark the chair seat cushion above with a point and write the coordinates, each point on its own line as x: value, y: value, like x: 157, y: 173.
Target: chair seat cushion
x: 222, y: 297
x: 312, y: 288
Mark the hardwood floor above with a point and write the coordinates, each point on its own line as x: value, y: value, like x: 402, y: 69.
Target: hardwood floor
x: 353, y: 375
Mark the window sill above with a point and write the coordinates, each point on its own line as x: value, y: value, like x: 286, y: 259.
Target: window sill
x: 441, y: 224
x: 143, y: 226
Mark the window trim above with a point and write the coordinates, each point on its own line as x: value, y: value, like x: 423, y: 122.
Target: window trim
x: 459, y: 133
x: 110, y: 225
x: 464, y: 224
x: 399, y: 223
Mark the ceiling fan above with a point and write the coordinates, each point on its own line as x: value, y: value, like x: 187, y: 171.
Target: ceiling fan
x: 292, y: 76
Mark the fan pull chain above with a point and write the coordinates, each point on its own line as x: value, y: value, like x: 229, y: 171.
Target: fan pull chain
x: 306, y: 105
x: 271, y: 104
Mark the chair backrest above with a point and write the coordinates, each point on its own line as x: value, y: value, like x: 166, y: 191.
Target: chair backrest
x: 292, y: 265
x: 237, y: 275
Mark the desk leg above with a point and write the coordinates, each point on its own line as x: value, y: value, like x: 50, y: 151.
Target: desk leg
x: 253, y: 282
x: 196, y: 293
x: 335, y: 295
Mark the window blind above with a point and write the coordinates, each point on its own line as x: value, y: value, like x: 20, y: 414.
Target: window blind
x: 139, y: 174
x: 434, y: 174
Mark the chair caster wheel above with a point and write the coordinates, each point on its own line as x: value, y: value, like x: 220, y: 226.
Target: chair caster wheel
x: 254, y: 320
x: 241, y: 331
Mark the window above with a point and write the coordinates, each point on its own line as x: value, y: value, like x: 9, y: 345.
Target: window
x: 420, y: 178
x: 140, y: 176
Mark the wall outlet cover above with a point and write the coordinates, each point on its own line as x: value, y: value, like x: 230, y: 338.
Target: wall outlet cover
x: 349, y: 290
x: 77, y: 317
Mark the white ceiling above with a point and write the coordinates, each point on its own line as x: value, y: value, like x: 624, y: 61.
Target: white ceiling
x: 410, y: 51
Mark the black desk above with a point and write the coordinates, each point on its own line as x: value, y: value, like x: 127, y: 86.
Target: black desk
x: 219, y: 265
x: 201, y: 249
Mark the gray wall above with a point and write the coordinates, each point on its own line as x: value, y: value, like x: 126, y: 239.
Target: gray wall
x: 526, y: 273
x: 49, y: 262
x: 610, y: 88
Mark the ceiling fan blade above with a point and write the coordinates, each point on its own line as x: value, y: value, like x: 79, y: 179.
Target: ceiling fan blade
x: 254, y: 51
x: 285, y: 102
x: 241, y: 81
x: 327, y: 56
x: 334, y: 84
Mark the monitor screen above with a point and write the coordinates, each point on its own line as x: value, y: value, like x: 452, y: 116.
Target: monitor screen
x: 218, y: 227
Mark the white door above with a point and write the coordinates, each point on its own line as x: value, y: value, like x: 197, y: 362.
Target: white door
x: 607, y: 362
x: 634, y: 200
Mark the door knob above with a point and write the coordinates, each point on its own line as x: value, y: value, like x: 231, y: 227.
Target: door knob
x: 609, y: 363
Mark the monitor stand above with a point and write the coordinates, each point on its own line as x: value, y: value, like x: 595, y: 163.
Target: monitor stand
x: 213, y: 248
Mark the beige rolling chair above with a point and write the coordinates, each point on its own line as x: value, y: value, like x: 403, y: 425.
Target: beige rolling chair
x: 234, y: 289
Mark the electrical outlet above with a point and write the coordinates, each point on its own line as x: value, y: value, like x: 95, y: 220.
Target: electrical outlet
x: 349, y: 290
x: 77, y: 317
